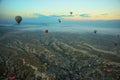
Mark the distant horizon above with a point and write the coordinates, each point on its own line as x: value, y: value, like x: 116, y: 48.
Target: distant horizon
x: 52, y: 10
x: 37, y: 21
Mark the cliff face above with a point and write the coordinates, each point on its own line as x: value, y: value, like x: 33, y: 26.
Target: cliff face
x: 58, y: 56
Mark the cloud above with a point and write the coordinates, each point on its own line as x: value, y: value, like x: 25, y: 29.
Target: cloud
x: 104, y: 14
x: 42, y: 15
x: 66, y: 15
x: 42, y: 18
x: 52, y: 16
x: 45, y: 18
x: 84, y: 15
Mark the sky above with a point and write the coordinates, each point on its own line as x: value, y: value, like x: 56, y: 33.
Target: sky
x: 53, y: 9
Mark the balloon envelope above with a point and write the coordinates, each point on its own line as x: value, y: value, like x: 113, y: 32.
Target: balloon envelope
x: 108, y: 69
x: 71, y: 13
x: 18, y: 19
x: 46, y: 31
x: 11, y: 76
x: 59, y: 20
x: 95, y: 31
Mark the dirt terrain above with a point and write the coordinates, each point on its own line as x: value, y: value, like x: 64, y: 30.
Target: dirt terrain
x: 35, y: 55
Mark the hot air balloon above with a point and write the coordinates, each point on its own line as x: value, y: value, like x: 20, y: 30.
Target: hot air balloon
x: 108, y: 69
x: 11, y: 76
x: 95, y: 31
x: 59, y: 20
x: 46, y: 31
x: 18, y: 19
x: 71, y: 13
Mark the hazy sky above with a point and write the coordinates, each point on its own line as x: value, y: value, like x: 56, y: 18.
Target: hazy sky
x: 82, y: 9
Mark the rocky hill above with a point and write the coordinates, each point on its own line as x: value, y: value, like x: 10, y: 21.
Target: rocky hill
x: 58, y: 56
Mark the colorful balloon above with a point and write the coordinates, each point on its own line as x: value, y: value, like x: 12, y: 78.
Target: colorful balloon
x: 108, y: 69
x: 59, y: 20
x: 71, y: 13
x: 11, y: 76
x: 18, y: 19
x: 46, y: 31
x: 95, y: 31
